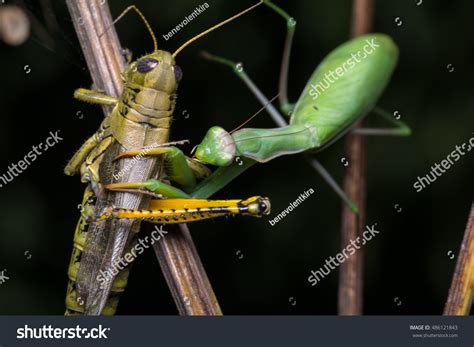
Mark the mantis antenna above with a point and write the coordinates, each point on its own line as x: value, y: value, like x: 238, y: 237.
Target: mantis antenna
x: 255, y: 114
x: 142, y: 16
x: 215, y: 27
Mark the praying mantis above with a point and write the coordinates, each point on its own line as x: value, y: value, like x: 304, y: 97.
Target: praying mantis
x: 323, y: 113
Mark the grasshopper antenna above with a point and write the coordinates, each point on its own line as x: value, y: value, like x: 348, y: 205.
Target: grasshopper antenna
x: 142, y: 16
x: 187, y: 43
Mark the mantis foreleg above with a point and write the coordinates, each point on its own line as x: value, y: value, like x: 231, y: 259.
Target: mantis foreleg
x: 179, y: 168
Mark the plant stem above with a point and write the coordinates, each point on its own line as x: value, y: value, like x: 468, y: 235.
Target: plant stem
x: 462, y: 286
x: 176, y: 252
x: 350, y: 296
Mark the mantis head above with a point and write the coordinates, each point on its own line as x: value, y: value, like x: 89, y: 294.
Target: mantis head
x: 218, y: 148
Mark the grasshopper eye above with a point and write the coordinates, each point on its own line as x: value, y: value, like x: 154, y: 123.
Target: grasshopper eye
x: 178, y: 73
x: 146, y: 65
x: 264, y: 205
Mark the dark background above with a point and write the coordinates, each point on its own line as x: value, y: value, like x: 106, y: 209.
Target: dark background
x: 408, y: 260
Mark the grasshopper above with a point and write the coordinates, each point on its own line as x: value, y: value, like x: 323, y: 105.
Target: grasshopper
x: 112, y: 210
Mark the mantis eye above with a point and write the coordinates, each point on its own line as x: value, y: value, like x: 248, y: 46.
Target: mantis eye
x: 146, y: 65
x: 178, y: 73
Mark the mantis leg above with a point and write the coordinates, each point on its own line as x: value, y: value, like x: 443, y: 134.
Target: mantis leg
x: 94, y: 97
x: 152, y: 185
x: 401, y: 128
x: 181, y: 169
x: 272, y: 111
x: 285, y: 106
x: 332, y: 183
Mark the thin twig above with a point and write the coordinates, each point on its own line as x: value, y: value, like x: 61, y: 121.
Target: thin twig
x: 176, y: 252
x: 362, y: 17
x: 351, y: 274
x: 462, y: 286
x: 185, y: 274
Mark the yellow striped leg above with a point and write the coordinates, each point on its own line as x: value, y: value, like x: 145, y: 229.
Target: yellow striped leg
x: 171, y: 211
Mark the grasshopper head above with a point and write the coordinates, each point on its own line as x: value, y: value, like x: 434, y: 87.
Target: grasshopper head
x: 217, y: 148
x: 257, y: 206
x: 157, y: 70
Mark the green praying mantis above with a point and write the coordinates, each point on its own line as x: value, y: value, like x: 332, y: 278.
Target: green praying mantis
x: 343, y: 89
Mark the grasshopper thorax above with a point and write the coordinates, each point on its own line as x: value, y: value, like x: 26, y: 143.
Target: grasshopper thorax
x: 157, y: 70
